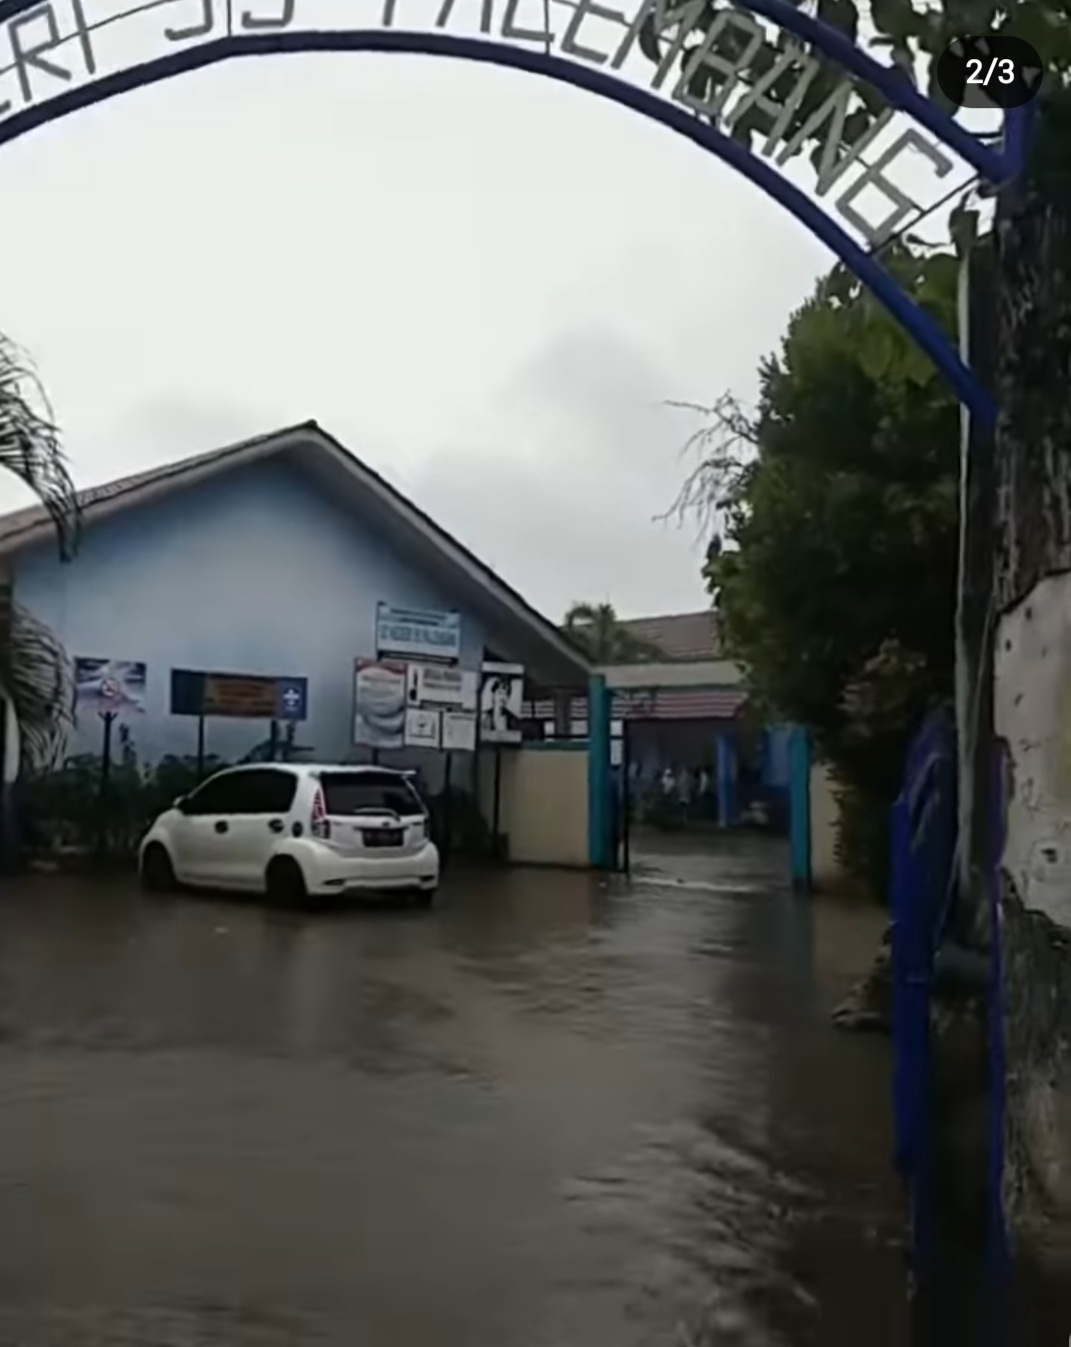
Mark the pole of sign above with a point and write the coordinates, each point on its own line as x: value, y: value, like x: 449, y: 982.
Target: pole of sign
x: 496, y: 804
x: 626, y: 798
x: 273, y: 741
x: 108, y: 719
x: 200, y: 747
x: 447, y: 833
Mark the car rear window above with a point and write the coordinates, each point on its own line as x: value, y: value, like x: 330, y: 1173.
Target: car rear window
x: 360, y: 792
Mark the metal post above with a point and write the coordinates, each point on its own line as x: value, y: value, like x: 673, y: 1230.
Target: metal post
x: 447, y: 837
x: 626, y: 796
x: 496, y: 807
x: 600, y: 844
x: 108, y: 718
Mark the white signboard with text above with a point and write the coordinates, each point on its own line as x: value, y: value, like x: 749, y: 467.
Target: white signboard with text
x: 417, y: 633
x: 459, y: 731
x: 442, y: 685
x: 422, y: 727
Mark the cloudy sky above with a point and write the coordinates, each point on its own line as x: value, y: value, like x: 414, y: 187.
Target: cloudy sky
x: 485, y: 285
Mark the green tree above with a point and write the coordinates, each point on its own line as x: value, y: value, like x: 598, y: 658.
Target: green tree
x: 833, y: 514
x: 597, y: 630
x: 35, y: 671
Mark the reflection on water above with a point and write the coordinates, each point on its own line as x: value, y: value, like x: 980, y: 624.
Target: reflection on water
x: 559, y: 1112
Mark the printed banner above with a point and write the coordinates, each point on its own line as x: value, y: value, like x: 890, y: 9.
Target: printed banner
x: 109, y: 685
x: 422, y: 727
x: 459, y: 732
x: 197, y: 692
x: 501, y: 692
x: 379, y: 703
x: 442, y: 685
x: 422, y: 633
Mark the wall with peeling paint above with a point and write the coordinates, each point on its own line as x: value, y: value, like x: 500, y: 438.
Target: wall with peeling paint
x: 1032, y: 716
x: 1032, y: 710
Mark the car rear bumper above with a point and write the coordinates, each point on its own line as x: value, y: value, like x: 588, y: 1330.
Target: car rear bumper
x: 327, y: 873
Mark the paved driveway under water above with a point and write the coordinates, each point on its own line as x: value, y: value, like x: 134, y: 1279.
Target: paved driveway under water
x: 557, y: 1112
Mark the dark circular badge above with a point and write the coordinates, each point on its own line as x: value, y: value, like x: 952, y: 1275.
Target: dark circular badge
x: 989, y: 72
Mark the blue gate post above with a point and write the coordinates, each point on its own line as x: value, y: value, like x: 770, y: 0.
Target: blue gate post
x: 799, y: 806
x: 600, y: 777
x: 912, y: 1060
x: 726, y: 779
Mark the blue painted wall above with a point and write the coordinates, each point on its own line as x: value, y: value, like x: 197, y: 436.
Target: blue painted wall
x: 257, y: 571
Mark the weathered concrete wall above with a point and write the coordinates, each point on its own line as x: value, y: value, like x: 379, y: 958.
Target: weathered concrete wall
x: 1032, y: 711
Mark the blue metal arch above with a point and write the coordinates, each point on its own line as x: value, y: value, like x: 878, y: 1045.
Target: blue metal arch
x: 925, y: 330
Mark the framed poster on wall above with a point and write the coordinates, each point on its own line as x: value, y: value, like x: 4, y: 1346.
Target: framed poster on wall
x: 501, y: 693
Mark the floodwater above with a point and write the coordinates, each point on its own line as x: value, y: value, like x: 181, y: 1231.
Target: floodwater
x: 560, y: 1111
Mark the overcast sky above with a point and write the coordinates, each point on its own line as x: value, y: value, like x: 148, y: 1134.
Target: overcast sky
x: 484, y: 285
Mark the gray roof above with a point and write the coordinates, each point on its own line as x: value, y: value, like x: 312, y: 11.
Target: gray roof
x: 523, y: 632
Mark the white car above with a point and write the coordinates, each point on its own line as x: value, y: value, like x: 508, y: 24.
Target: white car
x: 294, y: 831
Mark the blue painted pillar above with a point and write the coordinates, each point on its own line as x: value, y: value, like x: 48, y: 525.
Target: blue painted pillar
x: 726, y: 780
x: 600, y: 780
x: 799, y: 806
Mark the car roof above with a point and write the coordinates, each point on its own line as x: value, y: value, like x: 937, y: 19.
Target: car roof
x: 317, y: 768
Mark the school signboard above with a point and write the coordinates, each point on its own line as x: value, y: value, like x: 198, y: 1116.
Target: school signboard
x: 417, y: 633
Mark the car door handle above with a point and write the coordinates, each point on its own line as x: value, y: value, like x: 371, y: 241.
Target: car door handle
x: 222, y: 826
x: 276, y: 825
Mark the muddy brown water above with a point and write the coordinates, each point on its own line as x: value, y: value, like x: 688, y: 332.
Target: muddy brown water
x: 557, y: 1112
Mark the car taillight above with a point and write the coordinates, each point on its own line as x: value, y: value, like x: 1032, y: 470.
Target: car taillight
x: 320, y: 825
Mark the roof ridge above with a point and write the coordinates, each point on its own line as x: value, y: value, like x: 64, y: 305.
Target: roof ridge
x: 30, y: 515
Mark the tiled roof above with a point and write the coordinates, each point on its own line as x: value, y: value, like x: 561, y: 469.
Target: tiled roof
x: 682, y: 636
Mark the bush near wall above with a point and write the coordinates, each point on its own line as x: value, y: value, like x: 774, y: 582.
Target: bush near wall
x: 62, y: 811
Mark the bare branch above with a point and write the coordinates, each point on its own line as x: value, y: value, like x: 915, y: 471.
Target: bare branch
x: 725, y: 446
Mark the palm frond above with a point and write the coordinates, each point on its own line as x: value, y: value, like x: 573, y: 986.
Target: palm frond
x: 30, y: 444
x: 37, y: 675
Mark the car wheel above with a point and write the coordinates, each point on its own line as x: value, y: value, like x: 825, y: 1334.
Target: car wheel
x: 426, y: 897
x: 286, y: 883
x: 157, y: 872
